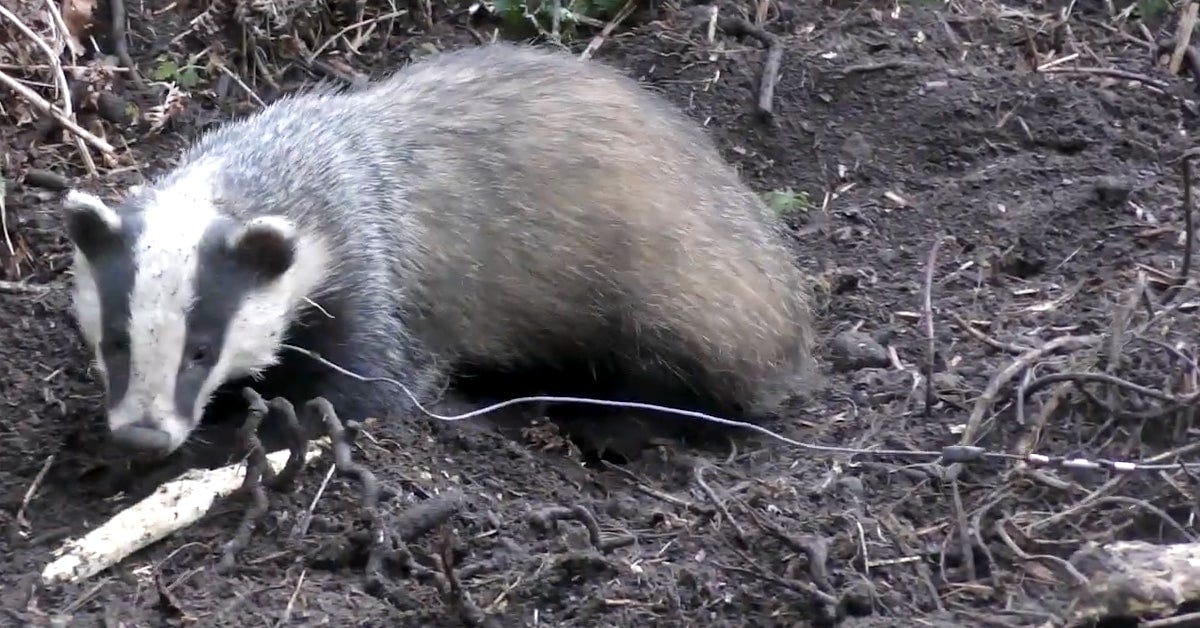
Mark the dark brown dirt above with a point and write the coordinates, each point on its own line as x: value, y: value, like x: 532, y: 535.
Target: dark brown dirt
x: 937, y: 108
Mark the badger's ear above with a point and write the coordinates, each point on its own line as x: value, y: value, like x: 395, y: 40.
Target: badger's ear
x: 90, y: 222
x: 266, y: 244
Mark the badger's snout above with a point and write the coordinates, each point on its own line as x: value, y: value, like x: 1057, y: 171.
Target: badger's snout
x: 151, y: 435
x: 143, y: 438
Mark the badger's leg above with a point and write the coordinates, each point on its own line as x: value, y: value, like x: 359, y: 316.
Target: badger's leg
x: 354, y: 336
x: 378, y: 354
x: 378, y: 348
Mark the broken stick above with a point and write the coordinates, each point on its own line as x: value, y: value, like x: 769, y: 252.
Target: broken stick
x: 45, y: 107
x: 739, y: 27
x: 174, y: 506
x: 1187, y: 24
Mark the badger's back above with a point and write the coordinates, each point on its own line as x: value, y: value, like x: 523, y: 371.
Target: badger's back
x: 528, y: 209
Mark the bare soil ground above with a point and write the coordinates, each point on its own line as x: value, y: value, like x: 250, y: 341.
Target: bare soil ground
x: 1054, y: 191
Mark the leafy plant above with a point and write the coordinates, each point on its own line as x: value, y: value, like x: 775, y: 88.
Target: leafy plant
x: 168, y: 70
x: 787, y: 201
x: 1150, y: 9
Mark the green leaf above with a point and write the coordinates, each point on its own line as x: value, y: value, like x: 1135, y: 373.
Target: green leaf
x: 188, y: 78
x: 165, y: 70
x: 787, y: 201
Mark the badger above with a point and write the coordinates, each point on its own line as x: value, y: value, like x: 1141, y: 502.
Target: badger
x: 497, y: 209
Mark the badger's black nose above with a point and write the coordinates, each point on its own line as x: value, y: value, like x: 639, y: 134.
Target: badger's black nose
x: 141, y: 440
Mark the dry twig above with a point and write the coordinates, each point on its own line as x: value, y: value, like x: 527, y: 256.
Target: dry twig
x: 1183, y: 36
x: 1023, y: 362
x: 739, y: 27
x: 1185, y: 167
x: 45, y: 107
x: 175, y: 505
x: 20, y: 287
x: 598, y: 40
x: 1111, y: 73
x: 33, y: 487
x: 988, y: 340
x: 67, y: 116
x: 121, y: 41
x: 931, y: 345
x: 1191, y: 57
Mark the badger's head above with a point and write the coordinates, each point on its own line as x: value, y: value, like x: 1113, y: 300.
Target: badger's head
x: 174, y: 299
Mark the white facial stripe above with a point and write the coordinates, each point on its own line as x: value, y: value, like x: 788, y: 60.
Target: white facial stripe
x: 77, y: 200
x: 86, y: 300
x: 175, y: 220
x: 254, y: 334
x: 85, y: 290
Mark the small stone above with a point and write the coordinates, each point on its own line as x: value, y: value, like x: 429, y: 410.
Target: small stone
x: 855, y: 151
x: 859, y: 599
x: 622, y: 507
x: 852, y: 486
x: 853, y: 350
x: 949, y: 381
x: 1113, y: 191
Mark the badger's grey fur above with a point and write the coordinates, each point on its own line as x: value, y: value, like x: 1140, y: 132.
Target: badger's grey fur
x: 498, y: 207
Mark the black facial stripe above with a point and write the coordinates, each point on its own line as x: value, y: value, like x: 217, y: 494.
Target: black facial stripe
x: 220, y: 286
x: 114, y: 269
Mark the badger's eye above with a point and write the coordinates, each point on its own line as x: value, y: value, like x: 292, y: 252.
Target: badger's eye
x: 117, y: 343
x: 200, y: 354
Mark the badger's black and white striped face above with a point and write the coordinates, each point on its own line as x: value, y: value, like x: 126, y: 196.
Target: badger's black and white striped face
x: 175, y: 299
